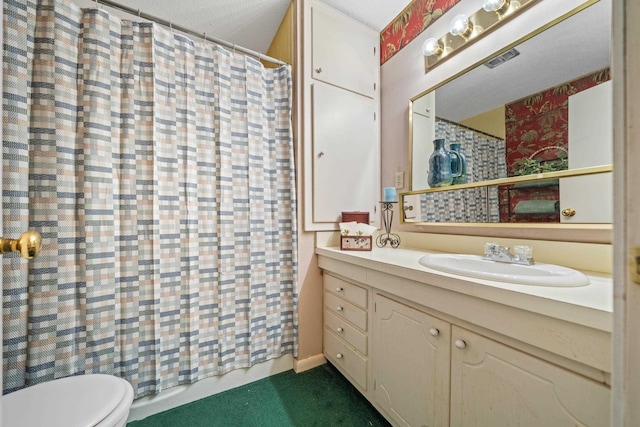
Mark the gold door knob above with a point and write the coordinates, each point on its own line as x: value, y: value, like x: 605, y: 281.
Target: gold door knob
x: 568, y: 212
x: 29, y: 244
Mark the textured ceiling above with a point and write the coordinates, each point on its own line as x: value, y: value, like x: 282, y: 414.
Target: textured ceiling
x: 376, y: 14
x: 252, y: 23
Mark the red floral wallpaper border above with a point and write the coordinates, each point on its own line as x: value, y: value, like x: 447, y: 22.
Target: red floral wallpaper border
x: 413, y: 20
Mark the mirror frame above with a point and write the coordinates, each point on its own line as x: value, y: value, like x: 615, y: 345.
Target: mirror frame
x: 590, y: 233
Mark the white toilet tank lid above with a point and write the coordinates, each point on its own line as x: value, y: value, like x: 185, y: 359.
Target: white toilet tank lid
x: 77, y: 401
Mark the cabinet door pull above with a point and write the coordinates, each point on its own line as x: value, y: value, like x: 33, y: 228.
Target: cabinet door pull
x: 339, y: 329
x: 319, y: 70
x: 339, y: 289
x: 434, y: 332
x: 461, y: 344
x: 339, y: 308
x: 339, y: 356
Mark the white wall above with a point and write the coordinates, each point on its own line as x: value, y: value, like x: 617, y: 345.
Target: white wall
x: 403, y: 76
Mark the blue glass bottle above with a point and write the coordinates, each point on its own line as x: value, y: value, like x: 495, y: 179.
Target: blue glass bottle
x: 439, y: 166
x: 458, y: 164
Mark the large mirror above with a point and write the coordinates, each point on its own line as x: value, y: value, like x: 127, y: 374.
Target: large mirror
x: 527, y: 133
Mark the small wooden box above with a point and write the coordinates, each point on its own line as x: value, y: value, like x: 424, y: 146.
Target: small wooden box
x: 360, y: 217
x: 355, y: 243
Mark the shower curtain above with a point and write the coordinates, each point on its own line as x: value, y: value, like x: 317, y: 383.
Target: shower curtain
x: 159, y: 171
x: 486, y: 160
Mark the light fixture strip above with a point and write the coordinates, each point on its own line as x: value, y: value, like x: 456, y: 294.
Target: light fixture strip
x: 481, y: 22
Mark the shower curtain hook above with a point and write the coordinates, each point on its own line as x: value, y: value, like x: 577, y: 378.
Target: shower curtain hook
x: 204, y: 36
x: 234, y: 48
x: 171, y: 26
x: 139, y: 13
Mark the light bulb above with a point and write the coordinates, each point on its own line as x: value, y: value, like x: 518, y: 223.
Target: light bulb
x: 461, y: 26
x: 431, y: 47
x: 495, y: 5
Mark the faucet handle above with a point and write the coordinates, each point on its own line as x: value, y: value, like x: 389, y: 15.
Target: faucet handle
x: 523, y: 252
x: 491, y: 248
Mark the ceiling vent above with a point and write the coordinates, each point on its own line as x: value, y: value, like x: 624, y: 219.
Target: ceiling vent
x: 501, y: 59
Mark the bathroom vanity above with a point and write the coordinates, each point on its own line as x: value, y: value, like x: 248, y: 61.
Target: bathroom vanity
x: 429, y: 348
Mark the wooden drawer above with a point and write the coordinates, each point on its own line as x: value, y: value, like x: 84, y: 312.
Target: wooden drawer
x: 348, y: 360
x: 345, y: 310
x: 345, y: 290
x: 344, y: 330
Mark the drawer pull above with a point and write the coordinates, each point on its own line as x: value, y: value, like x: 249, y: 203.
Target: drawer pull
x: 339, y: 329
x: 339, y: 356
x: 434, y: 332
x: 339, y: 308
x: 461, y: 344
x: 339, y: 289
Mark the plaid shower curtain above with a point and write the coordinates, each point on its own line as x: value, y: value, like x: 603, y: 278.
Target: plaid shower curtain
x: 159, y: 171
x: 468, y: 204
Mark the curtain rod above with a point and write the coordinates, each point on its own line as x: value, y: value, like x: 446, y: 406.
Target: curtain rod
x: 204, y: 36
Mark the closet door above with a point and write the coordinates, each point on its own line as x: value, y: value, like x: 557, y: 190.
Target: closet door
x: 343, y: 52
x: 345, y: 153
x: 341, y: 109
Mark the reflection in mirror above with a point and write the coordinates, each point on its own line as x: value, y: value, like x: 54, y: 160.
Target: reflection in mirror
x: 532, y: 201
x: 543, y: 105
x: 479, y: 204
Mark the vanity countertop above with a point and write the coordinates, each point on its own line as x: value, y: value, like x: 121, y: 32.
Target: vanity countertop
x: 590, y: 305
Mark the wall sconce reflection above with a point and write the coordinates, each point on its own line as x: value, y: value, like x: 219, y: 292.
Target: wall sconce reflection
x: 465, y: 29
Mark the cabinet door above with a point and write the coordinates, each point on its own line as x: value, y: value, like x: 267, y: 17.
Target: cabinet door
x: 343, y: 52
x: 425, y: 105
x: 410, y: 364
x: 590, y: 144
x: 590, y: 196
x: 345, y: 154
x: 424, y: 132
x: 496, y: 385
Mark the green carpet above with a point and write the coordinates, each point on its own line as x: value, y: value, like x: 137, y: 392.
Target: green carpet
x: 317, y: 397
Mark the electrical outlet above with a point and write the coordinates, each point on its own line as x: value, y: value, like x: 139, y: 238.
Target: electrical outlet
x: 399, y: 183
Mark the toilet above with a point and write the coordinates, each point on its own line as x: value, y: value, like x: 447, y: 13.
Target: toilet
x: 78, y: 401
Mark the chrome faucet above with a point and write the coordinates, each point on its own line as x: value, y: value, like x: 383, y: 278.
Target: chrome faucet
x: 522, y: 254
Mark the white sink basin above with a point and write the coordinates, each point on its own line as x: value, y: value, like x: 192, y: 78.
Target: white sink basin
x: 475, y: 266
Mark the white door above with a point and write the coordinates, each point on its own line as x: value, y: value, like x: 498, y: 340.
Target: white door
x: 626, y: 79
x: 345, y: 154
x: 590, y: 144
x: 589, y: 197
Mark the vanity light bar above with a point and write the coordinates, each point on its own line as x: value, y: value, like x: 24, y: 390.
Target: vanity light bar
x: 481, y: 22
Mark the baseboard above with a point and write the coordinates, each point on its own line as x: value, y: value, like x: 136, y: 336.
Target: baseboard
x: 301, y: 365
x: 183, y: 394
